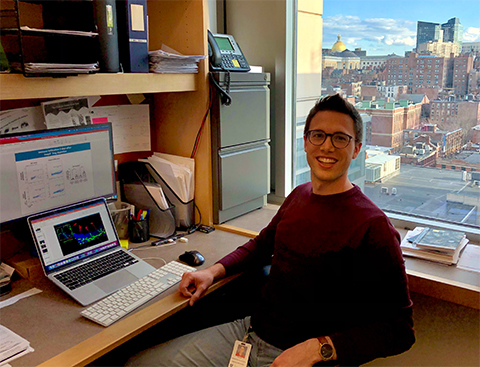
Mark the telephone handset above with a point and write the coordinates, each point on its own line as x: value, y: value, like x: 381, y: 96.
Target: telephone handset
x: 225, y: 54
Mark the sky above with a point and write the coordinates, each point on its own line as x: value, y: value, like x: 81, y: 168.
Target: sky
x: 383, y: 27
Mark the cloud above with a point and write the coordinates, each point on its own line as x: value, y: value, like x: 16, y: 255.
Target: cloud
x: 386, y: 31
x: 471, y: 35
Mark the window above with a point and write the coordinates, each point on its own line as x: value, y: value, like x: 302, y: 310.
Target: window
x: 410, y: 206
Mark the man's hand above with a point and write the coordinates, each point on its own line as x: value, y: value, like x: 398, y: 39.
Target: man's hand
x: 193, y: 285
x: 301, y: 355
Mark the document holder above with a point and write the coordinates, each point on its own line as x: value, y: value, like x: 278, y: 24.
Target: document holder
x: 137, y: 187
x: 183, y: 212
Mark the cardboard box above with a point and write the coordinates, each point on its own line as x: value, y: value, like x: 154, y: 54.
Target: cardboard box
x: 27, y: 267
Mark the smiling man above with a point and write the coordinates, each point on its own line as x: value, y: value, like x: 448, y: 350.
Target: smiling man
x: 337, y: 292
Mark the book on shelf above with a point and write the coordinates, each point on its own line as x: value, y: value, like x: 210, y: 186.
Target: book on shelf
x: 410, y: 247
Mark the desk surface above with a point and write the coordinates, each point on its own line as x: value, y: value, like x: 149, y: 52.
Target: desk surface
x: 52, y: 323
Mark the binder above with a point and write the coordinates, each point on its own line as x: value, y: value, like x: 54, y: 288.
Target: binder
x: 106, y: 21
x: 133, y: 31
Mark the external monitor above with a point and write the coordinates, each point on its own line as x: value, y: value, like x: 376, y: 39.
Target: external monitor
x: 42, y: 170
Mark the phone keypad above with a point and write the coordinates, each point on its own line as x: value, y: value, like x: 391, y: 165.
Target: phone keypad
x: 234, y: 62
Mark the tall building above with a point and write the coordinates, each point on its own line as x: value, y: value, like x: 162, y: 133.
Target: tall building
x: 427, y: 31
x: 452, y: 31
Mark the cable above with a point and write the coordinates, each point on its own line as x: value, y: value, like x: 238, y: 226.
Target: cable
x: 224, y: 93
x: 199, y: 133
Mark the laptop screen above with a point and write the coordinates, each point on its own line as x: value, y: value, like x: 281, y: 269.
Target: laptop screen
x: 74, y: 233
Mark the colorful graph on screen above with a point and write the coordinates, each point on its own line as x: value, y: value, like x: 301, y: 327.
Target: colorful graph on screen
x: 81, y: 233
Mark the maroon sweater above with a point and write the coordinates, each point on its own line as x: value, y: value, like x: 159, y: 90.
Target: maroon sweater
x: 337, y: 270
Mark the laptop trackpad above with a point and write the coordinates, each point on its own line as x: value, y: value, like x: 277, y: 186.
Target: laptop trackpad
x: 116, y: 281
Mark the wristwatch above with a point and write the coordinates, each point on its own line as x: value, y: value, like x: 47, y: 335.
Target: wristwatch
x: 326, y: 349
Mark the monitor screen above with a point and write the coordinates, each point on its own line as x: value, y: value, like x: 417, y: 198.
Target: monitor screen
x: 42, y: 170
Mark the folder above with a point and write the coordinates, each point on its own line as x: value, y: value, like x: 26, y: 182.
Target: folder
x: 106, y: 22
x: 133, y: 30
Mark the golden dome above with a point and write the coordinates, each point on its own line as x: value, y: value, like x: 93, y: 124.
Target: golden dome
x: 339, y: 46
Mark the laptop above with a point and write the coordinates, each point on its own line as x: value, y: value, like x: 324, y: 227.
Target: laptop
x: 80, y: 251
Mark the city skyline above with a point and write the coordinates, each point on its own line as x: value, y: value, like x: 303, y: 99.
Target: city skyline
x: 384, y: 27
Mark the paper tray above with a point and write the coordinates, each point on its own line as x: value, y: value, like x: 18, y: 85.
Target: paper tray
x: 142, y: 174
x: 184, y: 211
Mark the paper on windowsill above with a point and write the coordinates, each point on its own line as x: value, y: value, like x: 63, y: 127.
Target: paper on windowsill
x: 470, y: 259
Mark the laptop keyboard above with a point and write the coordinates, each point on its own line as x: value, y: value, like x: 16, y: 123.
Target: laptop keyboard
x: 93, y: 270
x: 120, y: 303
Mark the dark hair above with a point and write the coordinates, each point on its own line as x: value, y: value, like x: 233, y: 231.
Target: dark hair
x: 336, y: 103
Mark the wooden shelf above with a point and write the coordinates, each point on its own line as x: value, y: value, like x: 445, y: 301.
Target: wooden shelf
x: 17, y: 86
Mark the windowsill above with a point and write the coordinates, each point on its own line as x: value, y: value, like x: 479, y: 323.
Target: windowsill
x: 433, y: 279
x: 409, y: 222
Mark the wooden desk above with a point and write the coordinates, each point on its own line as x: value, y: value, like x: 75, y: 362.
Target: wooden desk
x: 52, y: 323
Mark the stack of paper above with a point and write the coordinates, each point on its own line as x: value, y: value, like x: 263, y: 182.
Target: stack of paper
x: 439, y: 245
x: 51, y: 68
x: 170, y: 62
x: 12, y: 346
x: 178, y: 172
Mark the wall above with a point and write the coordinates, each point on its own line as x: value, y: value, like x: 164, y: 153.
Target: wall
x: 262, y: 30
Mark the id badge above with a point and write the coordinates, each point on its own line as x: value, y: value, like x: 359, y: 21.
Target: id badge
x: 240, y: 354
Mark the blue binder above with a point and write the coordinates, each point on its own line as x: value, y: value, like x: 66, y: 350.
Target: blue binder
x: 133, y: 30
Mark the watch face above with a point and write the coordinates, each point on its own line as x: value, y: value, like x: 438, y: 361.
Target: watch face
x: 326, y: 351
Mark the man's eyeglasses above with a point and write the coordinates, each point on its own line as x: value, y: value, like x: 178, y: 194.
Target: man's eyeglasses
x: 318, y: 137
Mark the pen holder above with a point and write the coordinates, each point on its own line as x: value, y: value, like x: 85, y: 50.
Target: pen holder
x: 139, y: 231
x: 121, y: 218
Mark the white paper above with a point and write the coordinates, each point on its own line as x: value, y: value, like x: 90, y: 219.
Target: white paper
x: 131, y: 126
x: 67, y: 112
x: 11, y: 344
x: 5, y: 363
x: 158, y: 195
x: 470, y: 258
x: 18, y: 297
x: 60, y: 31
x: 168, y: 60
x: 174, y: 175
x: 184, y: 170
x: 7, y: 269
x: 22, y: 119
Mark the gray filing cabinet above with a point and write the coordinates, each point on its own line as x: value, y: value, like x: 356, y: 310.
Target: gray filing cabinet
x: 241, y: 149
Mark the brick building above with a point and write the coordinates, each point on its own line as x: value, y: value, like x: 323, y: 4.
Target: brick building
x: 418, y: 71
x: 462, y: 66
x: 476, y: 134
x: 389, y: 120
x: 454, y: 112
